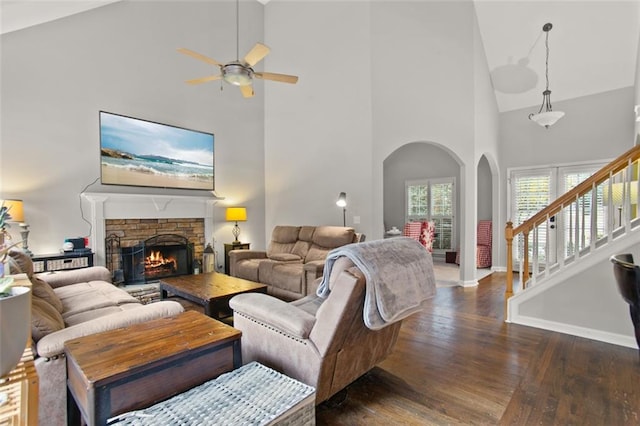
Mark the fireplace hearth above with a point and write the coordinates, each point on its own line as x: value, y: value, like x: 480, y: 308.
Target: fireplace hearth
x: 161, y: 256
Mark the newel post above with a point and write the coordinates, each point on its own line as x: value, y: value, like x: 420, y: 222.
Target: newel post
x: 508, y: 235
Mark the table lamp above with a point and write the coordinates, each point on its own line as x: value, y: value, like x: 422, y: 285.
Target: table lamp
x: 236, y: 214
x: 16, y: 212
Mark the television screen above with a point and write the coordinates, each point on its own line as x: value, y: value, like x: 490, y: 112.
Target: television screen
x: 143, y: 153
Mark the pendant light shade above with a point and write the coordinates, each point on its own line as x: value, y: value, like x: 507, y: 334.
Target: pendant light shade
x: 546, y: 116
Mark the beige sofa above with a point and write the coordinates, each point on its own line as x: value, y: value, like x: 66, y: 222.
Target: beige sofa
x: 321, y: 342
x: 70, y: 304
x: 293, y: 260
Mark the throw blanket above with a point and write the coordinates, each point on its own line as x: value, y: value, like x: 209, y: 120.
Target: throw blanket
x: 399, y: 274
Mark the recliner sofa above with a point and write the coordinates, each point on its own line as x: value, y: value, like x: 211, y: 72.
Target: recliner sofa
x: 294, y: 258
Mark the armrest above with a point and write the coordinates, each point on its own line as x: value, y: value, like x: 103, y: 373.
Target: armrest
x: 275, y: 313
x: 53, y: 344
x: 315, y: 267
x: 312, y: 273
x: 62, y: 278
x: 237, y: 255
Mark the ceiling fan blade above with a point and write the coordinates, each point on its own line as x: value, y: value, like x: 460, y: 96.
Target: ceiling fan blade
x: 199, y: 56
x: 204, y: 79
x: 283, y: 78
x: 247, y: 91
x: 256, y: 54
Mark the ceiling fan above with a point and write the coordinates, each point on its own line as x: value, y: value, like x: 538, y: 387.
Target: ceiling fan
x: 239, y: 73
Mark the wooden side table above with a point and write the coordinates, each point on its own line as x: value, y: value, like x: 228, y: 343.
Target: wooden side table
x: 228, y: 248
x: 20, y: 387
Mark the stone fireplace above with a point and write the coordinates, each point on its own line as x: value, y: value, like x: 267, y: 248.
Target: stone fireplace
x: 136, y: 218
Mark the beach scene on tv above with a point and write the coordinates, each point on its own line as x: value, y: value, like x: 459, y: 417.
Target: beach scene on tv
x: 143, y: 153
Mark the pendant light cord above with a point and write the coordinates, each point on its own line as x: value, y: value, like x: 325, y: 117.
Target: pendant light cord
x: 546, y: 63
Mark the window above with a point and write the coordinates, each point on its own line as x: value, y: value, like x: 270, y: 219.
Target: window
x: 533, y: 189
x: 433, y: 199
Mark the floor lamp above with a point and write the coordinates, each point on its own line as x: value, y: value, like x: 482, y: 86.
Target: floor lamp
x: 342, y: 202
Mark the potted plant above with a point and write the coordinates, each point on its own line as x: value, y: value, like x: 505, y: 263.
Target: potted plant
x: 15, y: 321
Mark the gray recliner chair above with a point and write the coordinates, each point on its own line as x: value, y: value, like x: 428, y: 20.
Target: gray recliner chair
x: 321, y: 342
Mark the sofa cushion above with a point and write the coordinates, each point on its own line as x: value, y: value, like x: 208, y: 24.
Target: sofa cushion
x: 285, y: 234
x: 283, y: 240
x: 306, y: 233
x: 45, y: 318
x: 43, y: 290
x: 83, y: 297
x: 248, y: 269
x: 83, y: 317
x: 333, y: 236
x: 285, y: 276
x: 21, y: 263
x: 286, y: 257
x: 301, y: 248
x: 326, y: 238
x: 317, y: 253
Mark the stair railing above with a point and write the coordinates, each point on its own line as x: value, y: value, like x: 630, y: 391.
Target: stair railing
x: 599, y: 209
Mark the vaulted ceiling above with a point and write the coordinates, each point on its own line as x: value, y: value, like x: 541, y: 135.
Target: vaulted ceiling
x: 592, y: 47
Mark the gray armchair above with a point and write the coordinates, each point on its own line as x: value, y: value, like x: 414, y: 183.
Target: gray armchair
x: 321, y: 342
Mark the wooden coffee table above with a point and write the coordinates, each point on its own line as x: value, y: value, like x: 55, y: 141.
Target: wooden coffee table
x: 134, y: 367
x: 211, y: 290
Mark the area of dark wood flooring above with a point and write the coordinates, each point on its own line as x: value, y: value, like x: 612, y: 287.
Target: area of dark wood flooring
x: 458, y: 362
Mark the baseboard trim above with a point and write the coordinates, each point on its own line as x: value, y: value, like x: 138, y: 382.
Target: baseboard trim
x: 574, y: 330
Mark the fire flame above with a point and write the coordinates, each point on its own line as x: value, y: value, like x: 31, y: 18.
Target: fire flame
x: 156, y: 258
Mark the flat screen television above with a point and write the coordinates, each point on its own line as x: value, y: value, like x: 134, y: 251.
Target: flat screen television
x: 138, y: 152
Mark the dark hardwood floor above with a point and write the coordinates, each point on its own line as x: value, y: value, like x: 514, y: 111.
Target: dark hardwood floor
x: 458, y: 362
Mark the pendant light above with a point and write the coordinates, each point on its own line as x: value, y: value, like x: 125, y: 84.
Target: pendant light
x: 546, y: 116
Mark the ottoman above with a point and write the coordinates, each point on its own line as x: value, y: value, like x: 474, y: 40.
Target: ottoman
x: 251, y: 395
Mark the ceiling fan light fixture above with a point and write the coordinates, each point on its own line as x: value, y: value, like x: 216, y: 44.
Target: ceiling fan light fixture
x: 237, y: 74
x: 546, y: 116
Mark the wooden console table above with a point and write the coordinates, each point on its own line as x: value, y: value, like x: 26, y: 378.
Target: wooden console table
x: 61, y: 261
x: 20, y: 387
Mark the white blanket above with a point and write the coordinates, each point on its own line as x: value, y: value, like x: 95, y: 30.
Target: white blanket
x: 399, y: 277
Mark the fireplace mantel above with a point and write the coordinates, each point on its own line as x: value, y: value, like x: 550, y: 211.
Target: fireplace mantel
x: 106, y: 205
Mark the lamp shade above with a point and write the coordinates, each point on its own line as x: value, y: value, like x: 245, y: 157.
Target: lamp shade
x: 236, y: 214
x: 16, y: 210
x: 342, y: 200
x: 547, y: 118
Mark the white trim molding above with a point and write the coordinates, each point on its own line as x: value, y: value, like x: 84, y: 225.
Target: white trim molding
x: 105, y: 205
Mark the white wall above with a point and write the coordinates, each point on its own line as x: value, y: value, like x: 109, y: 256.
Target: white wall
x: 122, y: 58
x: 374, y: 77
x: 318, y: 134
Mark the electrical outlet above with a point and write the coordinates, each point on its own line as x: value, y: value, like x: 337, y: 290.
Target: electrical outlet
x: 356, y: 220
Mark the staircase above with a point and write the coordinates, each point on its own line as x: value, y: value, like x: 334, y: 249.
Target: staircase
x: 596, y: 219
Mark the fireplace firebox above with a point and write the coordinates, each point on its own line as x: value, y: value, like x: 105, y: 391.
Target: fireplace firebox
x: 161, y: 256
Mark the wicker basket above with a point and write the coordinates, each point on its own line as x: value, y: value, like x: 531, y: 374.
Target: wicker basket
x: 251, y: 395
